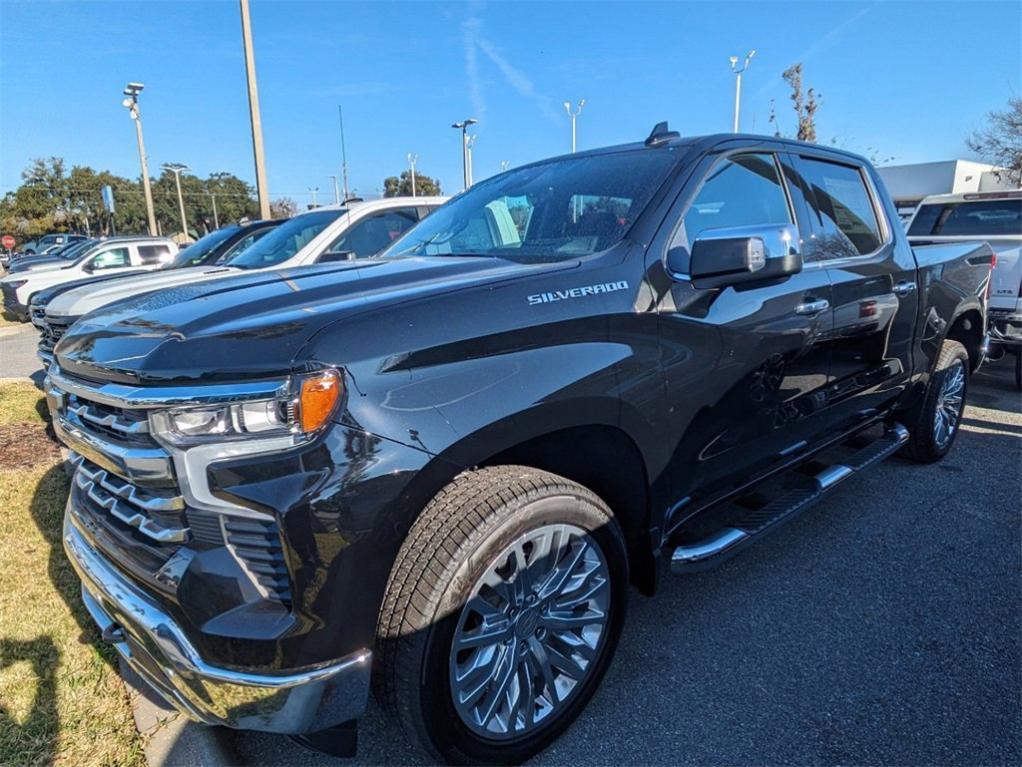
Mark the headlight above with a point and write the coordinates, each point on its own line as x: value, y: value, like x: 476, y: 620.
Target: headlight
x: 299, y: 415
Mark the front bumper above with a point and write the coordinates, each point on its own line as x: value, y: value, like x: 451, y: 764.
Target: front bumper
x: 157, y: 649
x: 11, y: 304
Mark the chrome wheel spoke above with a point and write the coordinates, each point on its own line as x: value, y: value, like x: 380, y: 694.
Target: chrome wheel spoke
x: 529, y: 631
x: 949, y: 404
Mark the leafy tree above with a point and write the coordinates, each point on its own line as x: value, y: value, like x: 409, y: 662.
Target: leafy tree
x: 401, y: 186
x: 805, y: 106
x: 283, y: 207
x: 1000, y: 142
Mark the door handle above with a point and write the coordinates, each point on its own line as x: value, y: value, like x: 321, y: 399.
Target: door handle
x: 812, y: 307
x: 904, y: 288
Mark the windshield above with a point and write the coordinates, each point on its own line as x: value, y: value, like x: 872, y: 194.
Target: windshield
x: 552, y: 211
x: 980, y: 218
x: 75, y: 249
x: 199, y: 250
x: 286, y: 240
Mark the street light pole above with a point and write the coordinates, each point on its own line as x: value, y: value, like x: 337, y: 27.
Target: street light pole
x: 253, y: 109
x: 131, y: 91
x: 337, y: 193
x: 573, y: 115
x: 469, y: 143
x: 465, y: 161
x: 313, y: 190
x: 738, y: 82
x: 412, y: 159
x: 177, y: 168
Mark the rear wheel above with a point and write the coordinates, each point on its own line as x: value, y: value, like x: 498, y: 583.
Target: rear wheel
x: 935, y: 422
x: 502, y: 614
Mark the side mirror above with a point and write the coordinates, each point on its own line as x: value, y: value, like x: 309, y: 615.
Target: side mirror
x: 336, y: 255
x: 733, y: 255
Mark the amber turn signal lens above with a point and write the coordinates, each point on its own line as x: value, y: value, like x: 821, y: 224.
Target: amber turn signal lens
x: 318, y: 398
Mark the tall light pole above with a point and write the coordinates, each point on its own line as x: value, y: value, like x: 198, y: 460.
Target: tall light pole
x: 465, y: 168
x: 313, y: 190
x: 574, y: 116
x: 471, y: 142
x: 131, y: 91
x: 344, y: 154
x: 412, y: 159
x: 216, y: 219
x: 337, y: 193
x: 738, y: 82
x: 253, y: 109
x: 177, y: 169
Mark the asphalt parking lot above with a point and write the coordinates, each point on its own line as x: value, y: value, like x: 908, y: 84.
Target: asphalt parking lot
x: 882, y: 627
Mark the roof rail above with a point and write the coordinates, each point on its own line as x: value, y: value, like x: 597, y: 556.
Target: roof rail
x: 661, y: 134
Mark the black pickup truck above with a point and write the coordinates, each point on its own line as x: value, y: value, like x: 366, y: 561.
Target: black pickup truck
x: 435, y: 473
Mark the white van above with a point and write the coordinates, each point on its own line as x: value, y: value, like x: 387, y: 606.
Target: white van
x: 118, y: 254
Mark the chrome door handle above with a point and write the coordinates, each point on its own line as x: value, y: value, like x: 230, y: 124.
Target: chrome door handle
x: 904, y: 288
x: 812, y: 307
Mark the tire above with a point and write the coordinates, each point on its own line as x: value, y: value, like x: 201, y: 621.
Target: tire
x: 927, y: 441
x: 1018, y: 369
x: 462, y: 538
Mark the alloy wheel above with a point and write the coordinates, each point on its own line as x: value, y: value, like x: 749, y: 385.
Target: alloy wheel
x: 949, y: 404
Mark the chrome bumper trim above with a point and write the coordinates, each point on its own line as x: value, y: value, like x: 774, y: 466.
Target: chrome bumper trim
x: 155, y: 646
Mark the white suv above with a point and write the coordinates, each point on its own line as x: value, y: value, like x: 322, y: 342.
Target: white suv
x: 118, y: 254
x: 356, y: 229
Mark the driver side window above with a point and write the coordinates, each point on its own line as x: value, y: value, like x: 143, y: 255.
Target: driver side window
x: 110, y: 259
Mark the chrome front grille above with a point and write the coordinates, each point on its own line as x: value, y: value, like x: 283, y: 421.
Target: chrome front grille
x: 117, y: 422
x: 51, y: 330
x: 154, y: 513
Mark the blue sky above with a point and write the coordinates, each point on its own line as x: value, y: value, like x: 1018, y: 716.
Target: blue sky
x: 909, y: 80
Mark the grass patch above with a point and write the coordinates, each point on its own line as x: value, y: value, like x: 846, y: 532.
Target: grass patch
x: 6, y: 322
x: 61, y: 699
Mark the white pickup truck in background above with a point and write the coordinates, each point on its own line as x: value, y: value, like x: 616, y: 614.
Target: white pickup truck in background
x: 997, y: 218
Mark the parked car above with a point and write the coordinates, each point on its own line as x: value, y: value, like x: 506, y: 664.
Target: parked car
x: 436, y: 471
x: 995, y: 217
x: 119, y: 254
x: 37, y: 246
x: 207, y: 252
x: 324, y: 234
x: 55, y: 255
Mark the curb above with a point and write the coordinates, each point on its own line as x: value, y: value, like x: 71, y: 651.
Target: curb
x: 169, y: 738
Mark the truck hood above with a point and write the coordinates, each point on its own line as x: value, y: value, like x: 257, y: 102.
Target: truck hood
x: 254, y: 325
x: 75, y: 303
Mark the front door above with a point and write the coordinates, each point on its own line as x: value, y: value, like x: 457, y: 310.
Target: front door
x: 875, y: 295
x: 760, y: 401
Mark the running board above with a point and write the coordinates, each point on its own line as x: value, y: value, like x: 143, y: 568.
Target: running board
x: 724, y: 543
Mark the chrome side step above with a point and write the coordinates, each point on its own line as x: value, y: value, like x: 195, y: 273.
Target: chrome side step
x: 728, y: 541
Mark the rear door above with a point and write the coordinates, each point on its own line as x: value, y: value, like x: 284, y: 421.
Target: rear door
x: 760, y: 402
x: 873, y: 274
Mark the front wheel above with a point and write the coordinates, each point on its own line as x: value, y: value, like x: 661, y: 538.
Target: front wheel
x: 935, y: 422
x: 501, y: 615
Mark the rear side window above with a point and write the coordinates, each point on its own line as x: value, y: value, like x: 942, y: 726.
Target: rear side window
x: 842, y: 211
x: 988, y: 218
x: 153, y: 254
x: 374, y: 233
x: 743, y: 190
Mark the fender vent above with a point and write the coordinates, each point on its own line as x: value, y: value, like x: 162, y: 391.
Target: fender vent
x: 257, y: 545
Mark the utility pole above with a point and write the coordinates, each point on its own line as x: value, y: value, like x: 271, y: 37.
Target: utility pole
x: 573, y: 115
x: 313, y: 190
x: 412, y: 159
x: 344, y: 154
x: 253, y: 109
x: 131, y: 91
x: 337, y: 194
x: 466, y: 168
x: 177, y: 169
x: 738, y: 82
x: 216, y: 219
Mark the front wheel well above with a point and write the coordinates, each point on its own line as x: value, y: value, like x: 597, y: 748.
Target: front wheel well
x: 968, y: 330
x: 605, y: 460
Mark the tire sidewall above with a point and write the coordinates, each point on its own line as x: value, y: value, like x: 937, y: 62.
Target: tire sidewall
x: 954, y: 354
x: 451, y: 738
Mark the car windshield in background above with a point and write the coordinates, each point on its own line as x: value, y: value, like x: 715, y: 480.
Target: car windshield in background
x: 197, y: 252
x: 76, y: 248
x: 286, y: 240
x: 551, y: 211
x: 986, y: 218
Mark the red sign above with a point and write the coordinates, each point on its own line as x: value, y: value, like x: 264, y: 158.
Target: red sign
x: 8, y: 242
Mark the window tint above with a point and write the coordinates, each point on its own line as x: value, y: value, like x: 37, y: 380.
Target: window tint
x: 153, y: 254
x: 743, y: 190
x: 110, y: 259
x: 979, y: 218
x: 243, y: 244
x: 841, y: 210
x: 537, y: 213
x: 371, y: 235
x: 286, y: 240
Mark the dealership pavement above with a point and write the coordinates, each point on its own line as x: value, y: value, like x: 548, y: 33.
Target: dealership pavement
x: 883, y: 626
